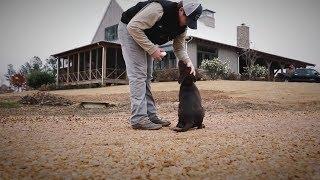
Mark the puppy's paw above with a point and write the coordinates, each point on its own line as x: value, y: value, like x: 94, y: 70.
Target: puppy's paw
x: 201, y: 126
x: 177, y: 129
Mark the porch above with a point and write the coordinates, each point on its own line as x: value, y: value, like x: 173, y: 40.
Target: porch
x: 98, y: 63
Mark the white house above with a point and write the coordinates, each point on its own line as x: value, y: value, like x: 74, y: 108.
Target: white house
x: 102, y: 62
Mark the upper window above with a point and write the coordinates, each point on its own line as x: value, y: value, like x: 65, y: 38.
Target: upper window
x: 111, y: 33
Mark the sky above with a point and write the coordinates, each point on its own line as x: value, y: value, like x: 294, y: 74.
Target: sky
x: 28, y: 28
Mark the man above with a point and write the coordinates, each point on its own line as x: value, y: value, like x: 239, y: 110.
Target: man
x: 142, y: 28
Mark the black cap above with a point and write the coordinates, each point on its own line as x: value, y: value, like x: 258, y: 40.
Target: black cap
x: 193, y: 17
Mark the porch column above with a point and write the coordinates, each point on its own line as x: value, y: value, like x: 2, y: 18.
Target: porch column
x: 116, y: 63
x: 282, y: 67
x: 78, y: 67
x: 90, y: 68
x: 269, y: 68
x: 68, y: 69
x: 58, y: 71
x: 104, y: 64
x: 97, y: 59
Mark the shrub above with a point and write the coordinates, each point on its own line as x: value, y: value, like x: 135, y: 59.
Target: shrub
x: 37, y: 78
x: 215, y: 68
x: 166, y: 75
x: 256, y: 71
x: 48, y: 87
x: 232, y: 76
x: 9, y: 104
x: 201, y: 75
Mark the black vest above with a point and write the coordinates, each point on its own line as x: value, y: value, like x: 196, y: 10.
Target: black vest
x: 164, y: 30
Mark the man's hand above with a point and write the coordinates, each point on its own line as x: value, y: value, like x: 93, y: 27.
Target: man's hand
x: 189, y: 64
x: 157, y: 55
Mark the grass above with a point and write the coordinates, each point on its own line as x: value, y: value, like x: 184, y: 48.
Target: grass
x: 9, y: 104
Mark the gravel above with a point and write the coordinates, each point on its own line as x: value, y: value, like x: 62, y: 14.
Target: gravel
x: 244, y: 138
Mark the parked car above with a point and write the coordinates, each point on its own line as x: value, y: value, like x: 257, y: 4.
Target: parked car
x: 300, y: 75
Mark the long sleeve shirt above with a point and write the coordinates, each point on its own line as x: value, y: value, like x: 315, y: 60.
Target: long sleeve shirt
x: 145, y: 19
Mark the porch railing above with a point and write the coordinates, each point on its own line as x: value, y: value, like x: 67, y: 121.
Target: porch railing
x: 96, y: 74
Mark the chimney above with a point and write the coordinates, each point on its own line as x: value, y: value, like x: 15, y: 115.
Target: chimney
x: 243, y: 36
x: 207, y: 17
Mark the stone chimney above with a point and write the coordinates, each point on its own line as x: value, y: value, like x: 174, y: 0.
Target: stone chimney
x: 243, y: 36
x: 207, y: 17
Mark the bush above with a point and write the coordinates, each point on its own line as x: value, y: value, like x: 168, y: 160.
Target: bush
x: 232, y: 76
x: 48, y: 87
x: 215, y: 68
x: 201, y: 75
x: 166, y: 75
x: 38, y: 78
x: 256, y: 72
x: 9, y: 104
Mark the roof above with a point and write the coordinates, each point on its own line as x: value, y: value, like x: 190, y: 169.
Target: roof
x: 265, y: 54
x: 208, y: 33
x: 82, y: 48
x: 126, y: 4
x: 218, y: 36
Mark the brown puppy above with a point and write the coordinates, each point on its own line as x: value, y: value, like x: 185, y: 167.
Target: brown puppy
x: 191, y: 112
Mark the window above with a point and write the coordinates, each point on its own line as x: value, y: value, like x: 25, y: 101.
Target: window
x: 111, y: 33
x: 206, y: 53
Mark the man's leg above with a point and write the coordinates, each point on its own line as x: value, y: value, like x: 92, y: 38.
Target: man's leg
x: 151, y: 107
x: 136, y: 67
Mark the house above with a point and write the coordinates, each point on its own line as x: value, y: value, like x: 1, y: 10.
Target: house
x: 102, y: 61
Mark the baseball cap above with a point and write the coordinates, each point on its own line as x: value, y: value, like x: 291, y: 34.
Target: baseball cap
x: 193, y: 10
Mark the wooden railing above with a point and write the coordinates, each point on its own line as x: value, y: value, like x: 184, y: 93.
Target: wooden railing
x: 96, y: 74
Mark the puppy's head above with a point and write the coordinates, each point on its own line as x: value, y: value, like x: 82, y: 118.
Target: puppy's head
x: 185, y: 77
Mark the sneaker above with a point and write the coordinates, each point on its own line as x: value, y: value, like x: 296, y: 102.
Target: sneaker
x: 146, y: 124
x: 157, y: 120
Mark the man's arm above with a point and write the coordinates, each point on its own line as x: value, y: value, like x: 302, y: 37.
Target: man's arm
x: 179, y: 47
x: 145, y: 19
x: 180, y: 50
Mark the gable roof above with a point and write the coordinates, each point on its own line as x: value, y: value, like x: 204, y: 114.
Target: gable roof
x: 126, y: 4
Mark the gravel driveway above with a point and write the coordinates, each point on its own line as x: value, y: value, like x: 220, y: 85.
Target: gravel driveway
x: 246, y: 137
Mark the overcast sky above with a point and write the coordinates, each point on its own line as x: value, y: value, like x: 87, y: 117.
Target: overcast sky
x: 43, y: 27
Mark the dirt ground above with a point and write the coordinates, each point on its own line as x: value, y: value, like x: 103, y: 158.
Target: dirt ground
x: 254, y: 130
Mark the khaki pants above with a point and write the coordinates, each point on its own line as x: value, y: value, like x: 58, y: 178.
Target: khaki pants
x: 139, y: 67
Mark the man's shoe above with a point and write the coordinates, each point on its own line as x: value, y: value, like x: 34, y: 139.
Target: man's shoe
x: 146, y: 124
x: 157, y: 120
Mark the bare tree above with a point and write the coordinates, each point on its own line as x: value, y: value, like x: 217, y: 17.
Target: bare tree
x: 10, y: 72
x: 250, y: 56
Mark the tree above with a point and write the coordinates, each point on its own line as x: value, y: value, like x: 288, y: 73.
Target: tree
x: 18, y: 81
x: 250, y: 56
x: 35, y: 64
x: 51, y: 65
x: 38, y: 78
x: 10, y: 72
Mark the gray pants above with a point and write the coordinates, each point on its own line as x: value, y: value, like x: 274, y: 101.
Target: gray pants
x: 139, y: 67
